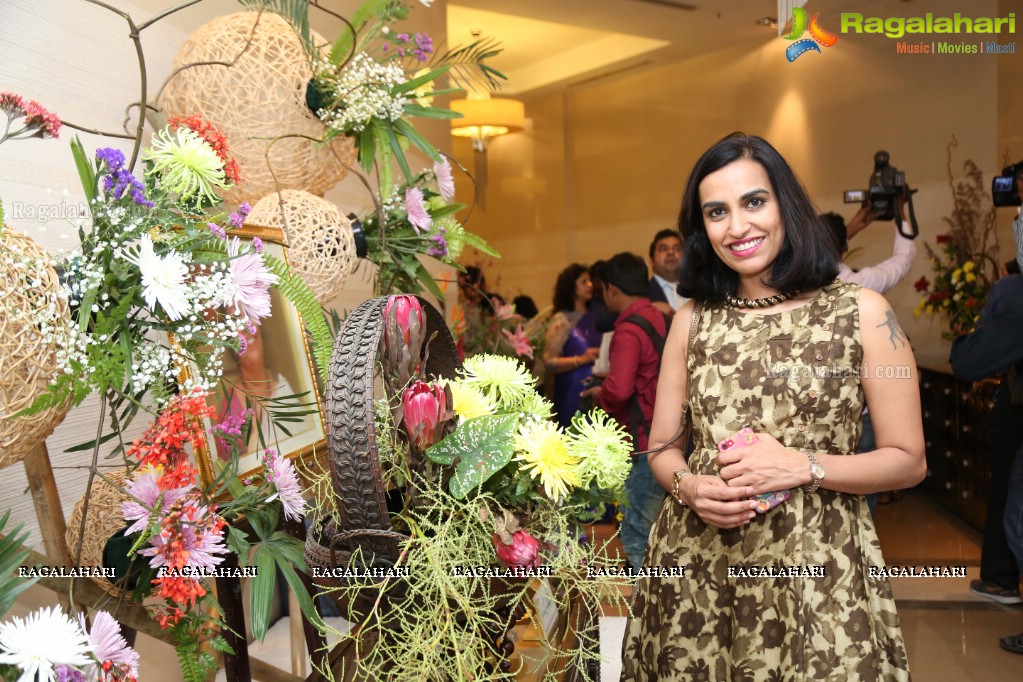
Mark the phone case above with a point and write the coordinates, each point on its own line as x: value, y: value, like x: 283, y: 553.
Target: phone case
x: 765, y: 501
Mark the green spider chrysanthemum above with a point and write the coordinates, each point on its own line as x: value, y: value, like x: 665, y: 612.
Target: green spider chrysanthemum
x: 603, y: 449
x: 544, y: 450
x: 536, y: 406
x: 187, y: 166
x: 504, y: 380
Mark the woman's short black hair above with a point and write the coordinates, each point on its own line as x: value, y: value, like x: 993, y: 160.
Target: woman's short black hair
x: 808, y: 258
x: 564, y: 288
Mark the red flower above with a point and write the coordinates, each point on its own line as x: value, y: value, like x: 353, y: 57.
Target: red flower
x: 425, y: 412
x: 921, y: 284
x: 524, y: 550
x: 971, y: 302
x: 943, y: 238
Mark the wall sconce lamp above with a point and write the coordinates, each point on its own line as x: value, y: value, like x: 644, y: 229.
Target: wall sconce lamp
x: 484, y: 117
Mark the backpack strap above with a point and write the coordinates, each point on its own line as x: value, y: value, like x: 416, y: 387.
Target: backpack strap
x: 635, y: 412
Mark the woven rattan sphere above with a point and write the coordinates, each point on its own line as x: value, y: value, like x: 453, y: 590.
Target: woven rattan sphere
x: 321, y: 245
x: 259, y: 98
x: 30, y: 301
x: 106, y: 519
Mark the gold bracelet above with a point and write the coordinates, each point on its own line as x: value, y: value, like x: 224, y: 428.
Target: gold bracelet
x: 676, y: 487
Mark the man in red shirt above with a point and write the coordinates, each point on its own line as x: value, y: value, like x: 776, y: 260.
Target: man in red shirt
x: 628, y: 391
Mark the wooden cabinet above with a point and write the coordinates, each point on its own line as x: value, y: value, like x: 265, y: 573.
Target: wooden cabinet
x: 956, y: 415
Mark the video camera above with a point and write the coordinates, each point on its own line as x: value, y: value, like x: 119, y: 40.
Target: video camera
x: 887, y: 183
x: 1004, y: 191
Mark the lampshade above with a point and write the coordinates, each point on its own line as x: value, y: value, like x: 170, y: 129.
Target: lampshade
x: 487, y: 117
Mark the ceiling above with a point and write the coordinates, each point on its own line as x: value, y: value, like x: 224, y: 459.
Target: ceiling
x: 550, y: 45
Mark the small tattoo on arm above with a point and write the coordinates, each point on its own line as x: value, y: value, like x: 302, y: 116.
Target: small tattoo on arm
x: 895, y: 332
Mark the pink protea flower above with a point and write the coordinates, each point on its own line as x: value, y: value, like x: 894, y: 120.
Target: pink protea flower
x: 445, y: 181
x: 425, y: 412
x: 109, y: 645
x: 524, y: 550
x: 281, y: 473
x: 519, y: 342
x: 145, y: 485
x: 249, y: 289
x: 416, y: 208
x: 403, y: 316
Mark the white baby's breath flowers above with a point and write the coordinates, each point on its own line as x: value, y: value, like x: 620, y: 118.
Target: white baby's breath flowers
x: 366, y: 88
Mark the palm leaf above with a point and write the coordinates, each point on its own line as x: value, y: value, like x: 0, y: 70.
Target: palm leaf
x: 345, y: 43
x: 296, y: 12
x: 468, y: 64
x: 12, y: 553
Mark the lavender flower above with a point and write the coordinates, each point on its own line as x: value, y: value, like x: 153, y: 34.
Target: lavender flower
x: 281, y: 473
x: 118, y: 178
x: 217, y: 230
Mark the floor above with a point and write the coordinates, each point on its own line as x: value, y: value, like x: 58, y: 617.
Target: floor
x: 950, y: 634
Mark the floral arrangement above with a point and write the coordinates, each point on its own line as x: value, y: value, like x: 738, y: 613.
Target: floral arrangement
x: 413, y: 220
x: 966, y: 264
x: 158, y: 288
x: 490, y: 482
x: 495, y: 327
x: 50, y: 645
x: 374, y: 78
x: 185, y: 531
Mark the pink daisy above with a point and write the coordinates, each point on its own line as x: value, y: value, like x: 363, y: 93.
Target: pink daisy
x: 248, y: 291
x: 417, y: 214
x: 281, y: 473
x: 109, y: 645
x: 445, y: 181
x: 145, y: 485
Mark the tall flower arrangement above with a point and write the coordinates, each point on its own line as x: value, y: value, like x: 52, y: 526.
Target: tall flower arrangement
x: 964, y: 264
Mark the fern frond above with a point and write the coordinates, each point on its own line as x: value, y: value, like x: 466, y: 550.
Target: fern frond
x: 301, y: 296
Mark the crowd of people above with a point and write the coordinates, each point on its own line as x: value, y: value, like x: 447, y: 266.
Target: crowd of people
x: 743, y: 462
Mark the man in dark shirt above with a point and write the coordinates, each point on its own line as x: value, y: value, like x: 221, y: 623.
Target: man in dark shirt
x: 627, y: 393
x: 997, y: 344
x: 665, y: 256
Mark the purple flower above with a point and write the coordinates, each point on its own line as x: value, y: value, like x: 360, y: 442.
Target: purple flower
x: 417, y: 213
x: 440, y: 245
x: 146, y: 487
x: 238, y: 217
x: 65, y: 673
x: 118, y: 178
x: 257, y: 244
x: 281, y: 473
x: 217, y: 230
x: 248, y: 291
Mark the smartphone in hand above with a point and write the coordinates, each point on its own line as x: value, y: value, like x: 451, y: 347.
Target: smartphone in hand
x: 765, y: 501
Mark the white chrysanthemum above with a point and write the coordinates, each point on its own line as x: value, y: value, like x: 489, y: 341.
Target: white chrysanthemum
x: 163, y: 278
x: 469, y: 401
x: 187, y: 165
x: 504, y: 380
x: 47, y: 638
x: 603, y: 448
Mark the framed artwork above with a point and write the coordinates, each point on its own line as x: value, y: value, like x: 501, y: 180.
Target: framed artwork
x: 275, y: 377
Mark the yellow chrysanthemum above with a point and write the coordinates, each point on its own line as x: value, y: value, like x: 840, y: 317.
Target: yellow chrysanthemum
x: 544, y: 451
x: 970, y: 277
x: 469, y: 401
x: 968, y: 266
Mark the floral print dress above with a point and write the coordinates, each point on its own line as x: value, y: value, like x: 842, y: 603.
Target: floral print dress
x: 795, y: 375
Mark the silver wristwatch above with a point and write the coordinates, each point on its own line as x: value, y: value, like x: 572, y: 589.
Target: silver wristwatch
x: 816, y: 471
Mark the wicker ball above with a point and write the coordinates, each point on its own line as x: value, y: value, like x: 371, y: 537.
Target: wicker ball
x: 321, y: 245
x: 106, y: 519
x: 260, y: 98
x: 30, y: 292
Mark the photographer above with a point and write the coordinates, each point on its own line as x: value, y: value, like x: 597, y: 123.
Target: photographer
x: 886, y: 274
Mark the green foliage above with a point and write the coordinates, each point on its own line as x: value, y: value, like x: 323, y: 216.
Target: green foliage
x: 12, y: 553
x: 296, y: 12
x: 280, y: 552
x: 469, y: 67
x: 380, y: 10
x: 479, y: 448
x: 301, y: 296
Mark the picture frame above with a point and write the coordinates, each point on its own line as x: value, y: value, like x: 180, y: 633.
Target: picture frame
x: 281, y: 345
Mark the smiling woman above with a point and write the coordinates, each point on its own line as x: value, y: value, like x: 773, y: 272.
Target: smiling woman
x: 761, y: 269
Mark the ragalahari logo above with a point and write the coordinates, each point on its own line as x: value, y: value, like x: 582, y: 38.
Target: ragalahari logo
x: 817, y: 35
